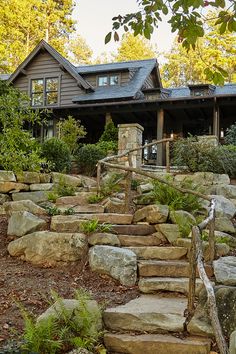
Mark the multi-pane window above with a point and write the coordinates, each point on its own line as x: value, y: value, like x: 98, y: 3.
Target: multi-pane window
x: 44, y: 91
x: 108, y: 80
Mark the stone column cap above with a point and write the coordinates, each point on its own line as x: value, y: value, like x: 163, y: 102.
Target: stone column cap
x: 131, y: 125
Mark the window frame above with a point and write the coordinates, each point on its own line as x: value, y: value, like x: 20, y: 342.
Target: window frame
x: 45, y: 91
x: 108, y: 76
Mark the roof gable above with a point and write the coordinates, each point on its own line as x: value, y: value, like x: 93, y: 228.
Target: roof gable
x: 70, y: 68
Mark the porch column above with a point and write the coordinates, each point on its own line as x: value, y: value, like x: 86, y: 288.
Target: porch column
x: 160, y: 126
x: 108, y: 118
x: 216, y: 119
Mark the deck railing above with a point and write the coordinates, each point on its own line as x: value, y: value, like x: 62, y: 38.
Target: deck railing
x: 196, y: 254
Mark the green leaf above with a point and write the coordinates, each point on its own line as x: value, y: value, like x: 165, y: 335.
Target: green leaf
x: 223, y: 27
x: 165, y: 9
x: 108, y: 38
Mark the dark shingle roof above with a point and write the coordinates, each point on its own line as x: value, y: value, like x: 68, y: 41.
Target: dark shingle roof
x: 130, y: 90
x: 227, y: 89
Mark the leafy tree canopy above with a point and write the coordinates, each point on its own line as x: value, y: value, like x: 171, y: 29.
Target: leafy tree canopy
x: 187, y: 18
x: 79, y: 51
x: 134, y: 48
x: 182, y: 67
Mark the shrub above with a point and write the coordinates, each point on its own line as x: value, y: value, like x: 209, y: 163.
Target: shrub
x: 108, y: 146
x: 88, y: 157
x: 176, y: 200
x: 110, y: 133
x: 92, y: 199
x: 200, y: 156
x: 19, y: 151
x: 90, y: 226
x: 57, y: 153
x: 64, y: 189
x: 62, y: 333
x: 70, y: 132
x: 230, y: 136
x: 52, y: 210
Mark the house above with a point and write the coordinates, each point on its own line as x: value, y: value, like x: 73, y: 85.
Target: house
x: 126, y: 92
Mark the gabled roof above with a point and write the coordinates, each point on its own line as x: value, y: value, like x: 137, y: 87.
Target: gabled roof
x: 132, y: 90
x: 181, y: 92
x: 70, y: 68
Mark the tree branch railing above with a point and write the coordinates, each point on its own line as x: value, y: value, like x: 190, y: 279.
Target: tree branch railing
x: 196, y: 253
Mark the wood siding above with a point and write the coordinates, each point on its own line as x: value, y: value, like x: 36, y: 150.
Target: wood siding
x: 44, y: 65
x: 149, y: 82
x: 124, y: 77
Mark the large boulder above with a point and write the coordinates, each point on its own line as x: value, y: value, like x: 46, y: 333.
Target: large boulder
x: 73, y: 309
x: 71, y: 180
x: 225, y: 270
x: 23, y: 222
x: 170, y: 231
x: 81, y: 198
x: 114, y: 205
x: 41, y: 186
x: 23, y: 205
x: 120, y: 264
x: 227, y: 190
x: 4, y: 198
x: 7, y: 176
x: 224, y: 224
x: 182, y: 216
x: 49, y: 248
x: 200, y: 324
x: 154, y: 214
x: 28, y: 177
x: 224, y: 206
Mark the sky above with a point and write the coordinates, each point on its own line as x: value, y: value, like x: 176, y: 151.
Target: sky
x: 94, y: 21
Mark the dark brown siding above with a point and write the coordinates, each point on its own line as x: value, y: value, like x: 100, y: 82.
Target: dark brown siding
x: 45, y: 65
x: 92, y: 78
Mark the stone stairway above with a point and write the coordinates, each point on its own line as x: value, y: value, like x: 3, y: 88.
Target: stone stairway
x: 155, y: 321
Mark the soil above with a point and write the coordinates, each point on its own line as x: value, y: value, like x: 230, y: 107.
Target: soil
x: 31, y: 286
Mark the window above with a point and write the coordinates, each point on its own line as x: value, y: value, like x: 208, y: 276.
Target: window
x: 44, y: 91
x: 108, y: 80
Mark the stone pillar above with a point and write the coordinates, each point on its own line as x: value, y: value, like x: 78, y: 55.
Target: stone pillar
x: 160, y: 128
x: 130, y: 137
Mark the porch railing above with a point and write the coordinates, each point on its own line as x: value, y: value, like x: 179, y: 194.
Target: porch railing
x: 196, y: 254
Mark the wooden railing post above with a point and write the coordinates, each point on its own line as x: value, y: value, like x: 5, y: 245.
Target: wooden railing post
x: 192, y: 273
x: 212, y: 239
x: 98, y: 178
x: 167, y: 156
x: 128, y: 185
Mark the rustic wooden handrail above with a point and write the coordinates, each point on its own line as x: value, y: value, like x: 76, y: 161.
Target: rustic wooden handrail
x: 196, y: 253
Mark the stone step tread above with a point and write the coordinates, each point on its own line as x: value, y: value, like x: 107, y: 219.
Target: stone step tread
x: 70, y: 223
x: 168, y: 268
x: 156, y: 344
x: 153, y: 284
x: 136, y: 241
x: 134, y: 230
x: 155, y: 252
x: 84, y: 209
x: 148, y: 313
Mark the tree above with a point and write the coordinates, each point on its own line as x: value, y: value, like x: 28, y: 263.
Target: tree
x: 187, y: 18
x: 70, y: 131
x: 134, y: 48
x: 79, y: 51
x: 19, y: 151
x: 213, y: 50
x: 24, y: 23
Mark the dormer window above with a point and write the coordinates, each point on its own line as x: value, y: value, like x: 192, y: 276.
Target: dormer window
x: 108, y: 80
x: 201, y: 90
x: 44, y: 91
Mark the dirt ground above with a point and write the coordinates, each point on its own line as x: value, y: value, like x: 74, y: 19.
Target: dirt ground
x: 31, y: 286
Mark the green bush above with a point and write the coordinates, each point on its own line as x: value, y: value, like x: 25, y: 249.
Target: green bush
x: 230, y: 136
x: 88, y: 157
x: 57, y: 153
x: 167, y: 195
x: 108, y: 146
x: 64, y: 332
x: 110, y: 133
x: 200, y: 156
x: 70, y: 132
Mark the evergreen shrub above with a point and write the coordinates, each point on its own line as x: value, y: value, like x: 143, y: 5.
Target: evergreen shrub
x: 57, y: 153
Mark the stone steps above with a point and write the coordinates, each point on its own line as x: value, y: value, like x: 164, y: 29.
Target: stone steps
x: 155, y: 344
x: 173, y: 268
x: 155, y: 284
x: 71, y: 223
x: 148, y: 313
x: 134, y: 229
x: 134, y: 241
x: 162, y: 253
x: 84, y: 209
